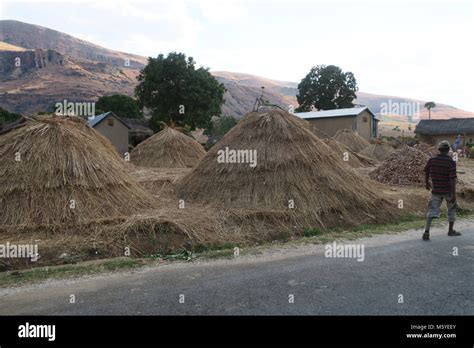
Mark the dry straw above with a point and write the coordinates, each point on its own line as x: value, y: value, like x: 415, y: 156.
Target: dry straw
x: 168, y: 149
x: 379, y: 152
x: 351, y: 158
x: 293, y: 165
x: 56, y: 170
x: 352, y: 140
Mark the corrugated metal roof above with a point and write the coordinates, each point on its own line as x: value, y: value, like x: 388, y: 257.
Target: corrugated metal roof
x: 94, y: 121
x: 333, y: 113
x: 451, y: 126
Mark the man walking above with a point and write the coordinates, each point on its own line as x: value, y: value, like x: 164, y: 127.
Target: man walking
x: 442, y: 171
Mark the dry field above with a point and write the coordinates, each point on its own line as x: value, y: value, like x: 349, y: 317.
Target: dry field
x: 386, y: 129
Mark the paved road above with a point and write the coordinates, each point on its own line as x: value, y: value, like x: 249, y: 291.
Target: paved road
x: 430, y: 278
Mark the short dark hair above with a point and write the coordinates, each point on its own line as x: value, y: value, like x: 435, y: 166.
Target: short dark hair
x: 444, y: 150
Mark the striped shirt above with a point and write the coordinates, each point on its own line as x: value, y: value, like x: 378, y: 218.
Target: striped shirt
x: 441, y: 169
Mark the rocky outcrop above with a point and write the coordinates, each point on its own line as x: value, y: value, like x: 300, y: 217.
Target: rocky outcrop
x: 32, y: 36
x: 14, y: 64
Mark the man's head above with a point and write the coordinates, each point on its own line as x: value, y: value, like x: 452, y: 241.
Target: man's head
x: 443, y: 147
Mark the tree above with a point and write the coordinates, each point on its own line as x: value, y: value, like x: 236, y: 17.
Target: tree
x: 219, y: 127
x: 7, y: 116
x: 178, y: 93
x: 119, y: 104
x: 326, y: 88
x: 430, y: 105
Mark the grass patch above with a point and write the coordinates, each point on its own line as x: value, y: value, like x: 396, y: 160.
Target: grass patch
x: 181, y: 255
x: 217, y: 254
x: 311, y: 232
x: 33, y: 275
x: 201, y: 248
x: 403, y: 223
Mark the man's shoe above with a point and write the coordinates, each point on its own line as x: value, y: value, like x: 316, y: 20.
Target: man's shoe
x: 454, y: 234
x: 426, y: 236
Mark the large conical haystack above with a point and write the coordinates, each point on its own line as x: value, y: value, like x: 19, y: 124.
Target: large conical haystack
x: 404, y: 167
x: 351, y: 158
x: 352, y: 140
x: 293, y: 165
x: 168, y: 149
x: 58, y: 170
x: 379, y: 152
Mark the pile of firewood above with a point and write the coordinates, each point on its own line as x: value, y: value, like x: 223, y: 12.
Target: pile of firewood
x: 405, y: 167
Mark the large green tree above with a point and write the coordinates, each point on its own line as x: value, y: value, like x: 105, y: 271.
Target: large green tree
x: 177, y: 92
x: 121, y: 105
x: 326, y: 88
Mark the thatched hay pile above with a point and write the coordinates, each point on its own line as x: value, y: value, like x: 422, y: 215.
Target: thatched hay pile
x: 50, y: 162
x: 405, y: 167
x: 352, y: 158
x: 379, y: 152
x: 157, y: 181
x: 292, y: 165
x: 352, y: 140
x: 319, y: 133
x: 168, y: 148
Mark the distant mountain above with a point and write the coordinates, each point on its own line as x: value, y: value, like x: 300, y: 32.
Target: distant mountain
x: 32, y: 36
x: 57, y: 66
x: 284, y: 93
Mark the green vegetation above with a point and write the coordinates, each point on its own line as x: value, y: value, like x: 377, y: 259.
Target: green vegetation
x: 219, y: 127
x: 311, y: 232
x: 119, y: 104
x: 326, y: 88
x: 67, y: 271
x: 178, y: 93
x: 8, y: 117
x: 181, y: 255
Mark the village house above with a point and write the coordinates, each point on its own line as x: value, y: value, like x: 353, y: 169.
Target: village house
x: 358, y: 119
x: 139, y: 130
x: 434, y: 131
x: 113, y: 128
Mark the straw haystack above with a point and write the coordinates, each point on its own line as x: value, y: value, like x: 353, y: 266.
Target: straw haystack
x: 351, y: 158
x: 58, y: 170
x: 379, y: 152
x: 292, y: 165
x: 352, y: 140
x: 319, y: 133
x: 168, y: 149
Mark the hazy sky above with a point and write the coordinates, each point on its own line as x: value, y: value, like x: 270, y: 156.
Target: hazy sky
x: 417, y: 49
